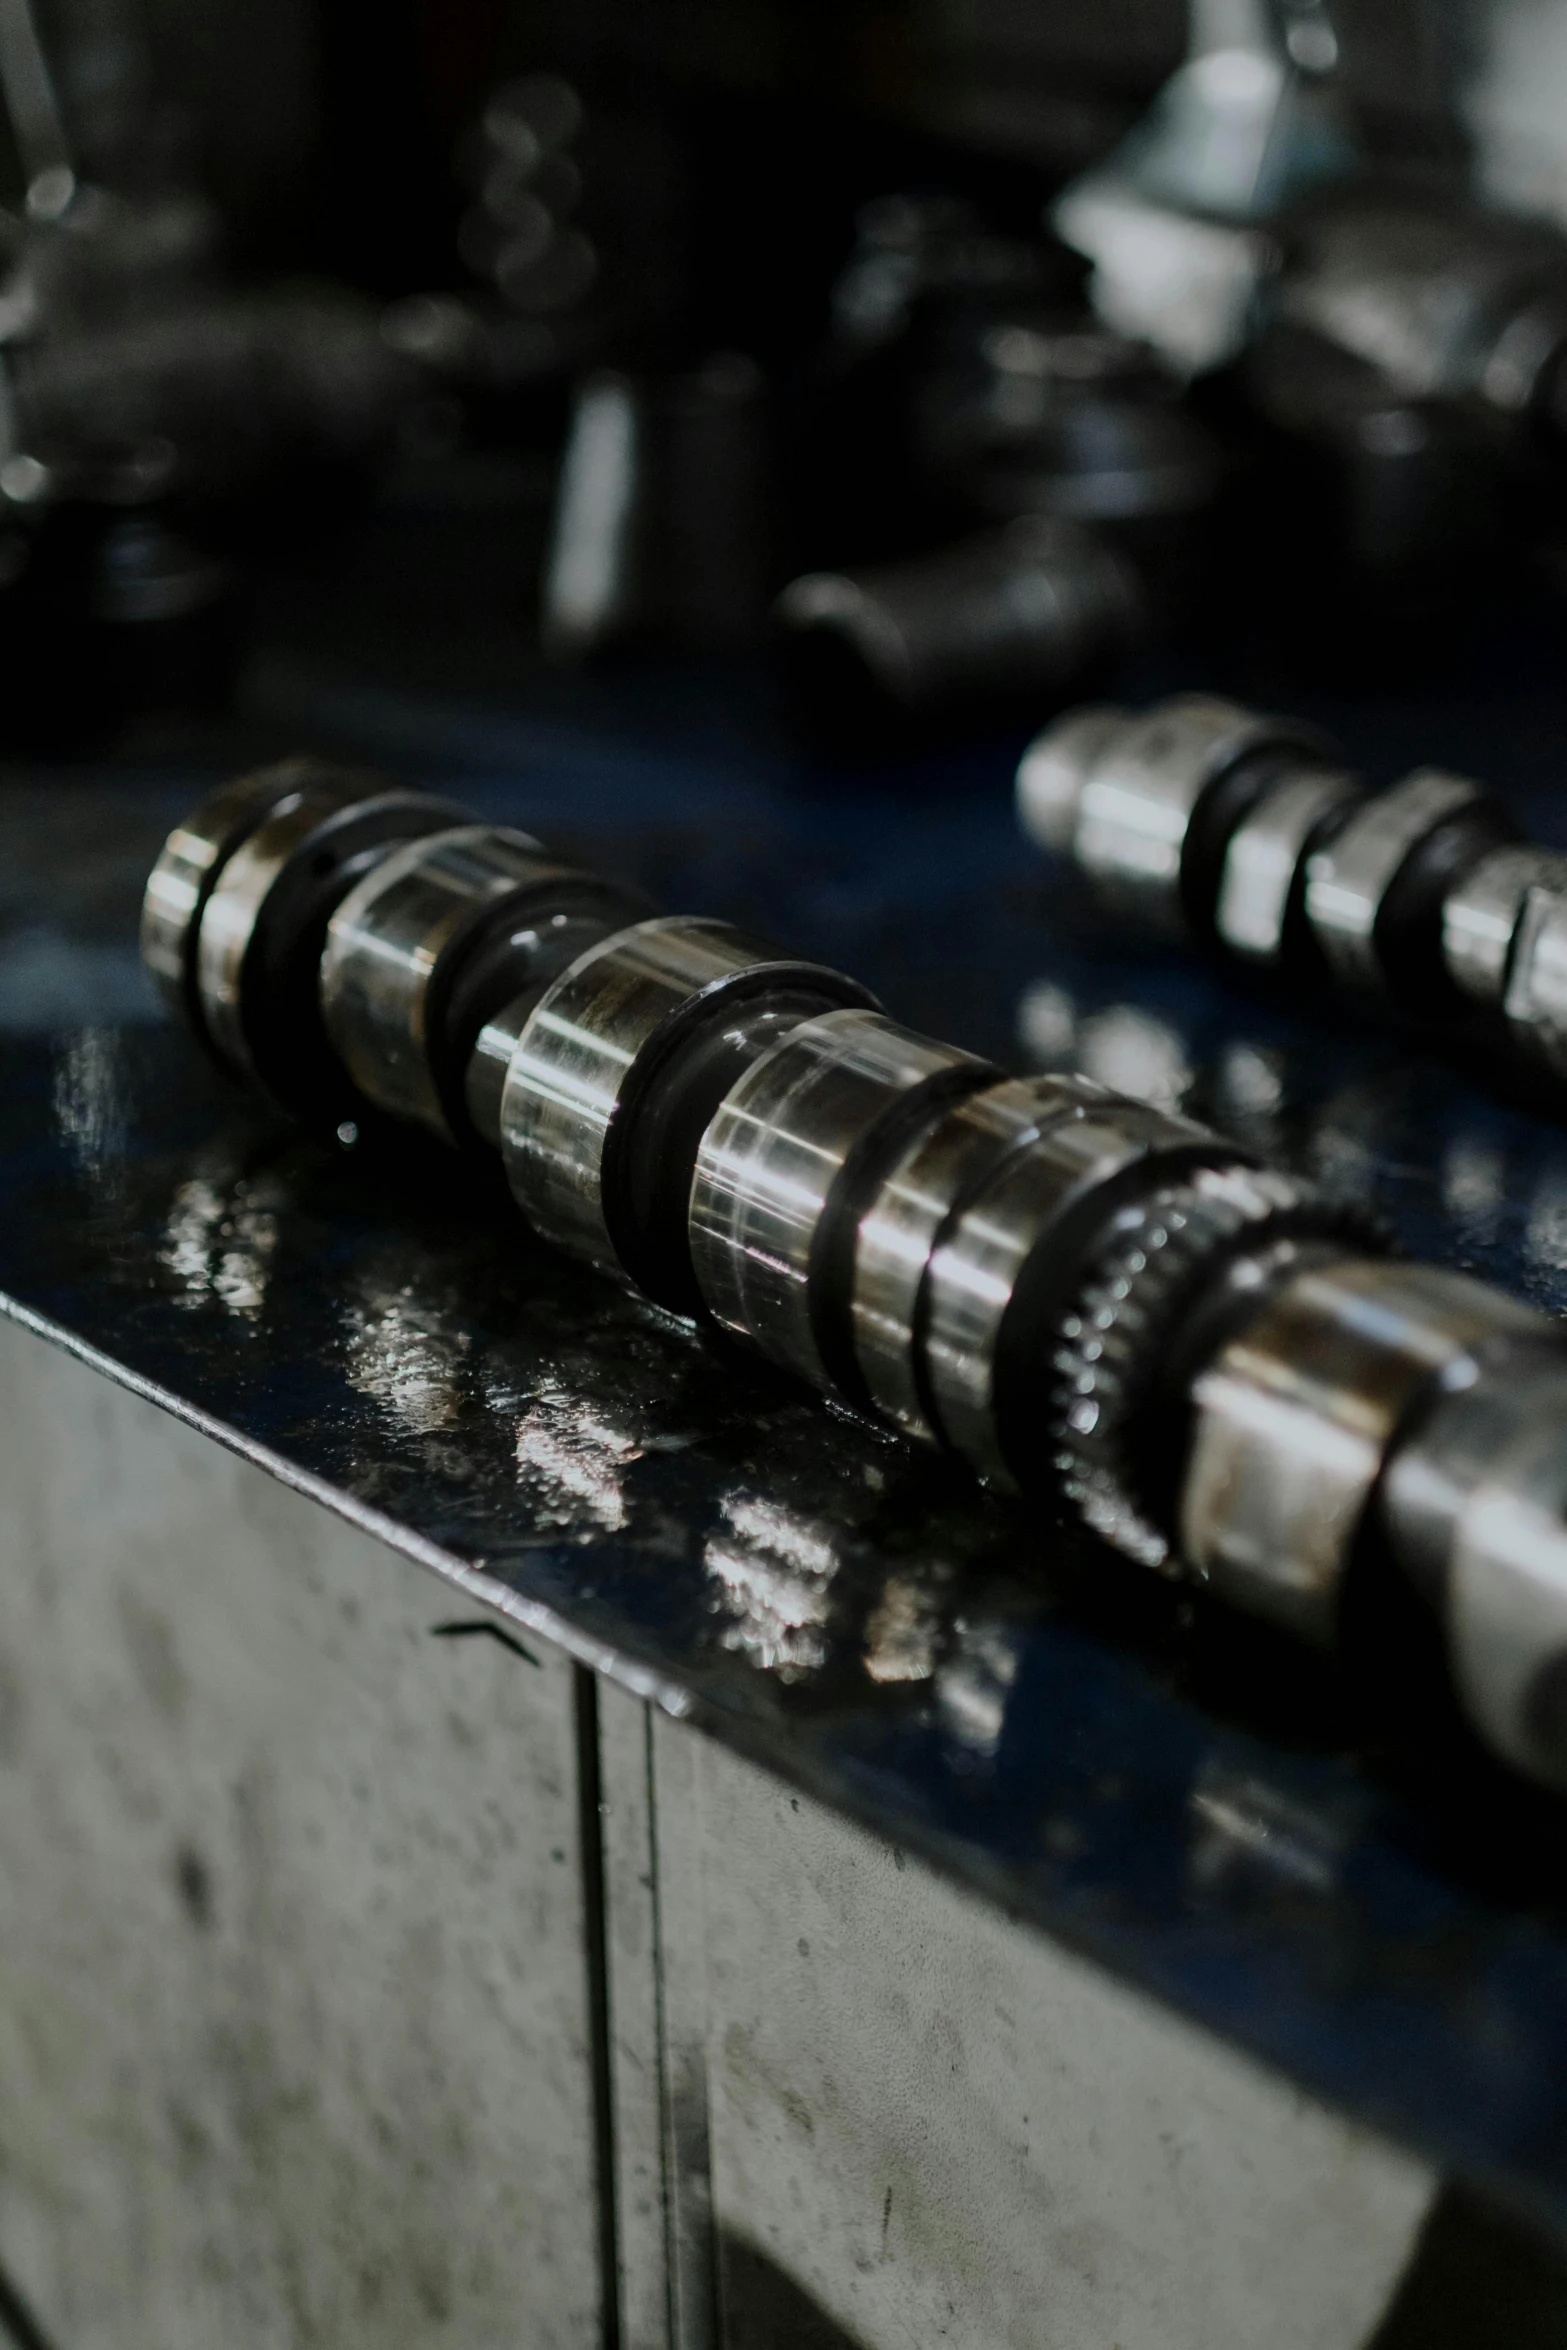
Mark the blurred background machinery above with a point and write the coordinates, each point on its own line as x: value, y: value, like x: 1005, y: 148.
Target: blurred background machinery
x: 956, y: 356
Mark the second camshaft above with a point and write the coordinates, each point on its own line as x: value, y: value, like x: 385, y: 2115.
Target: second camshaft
x: 1247, y: 833
x: 1084, y: 1297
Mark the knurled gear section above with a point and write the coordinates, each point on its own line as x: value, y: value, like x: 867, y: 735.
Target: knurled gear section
x: 1108, y: 1347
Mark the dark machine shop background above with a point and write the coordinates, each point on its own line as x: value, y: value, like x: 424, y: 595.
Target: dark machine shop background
x: 520, y: 1823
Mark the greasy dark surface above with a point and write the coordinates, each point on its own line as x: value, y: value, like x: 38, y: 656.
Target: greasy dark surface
x: 1305, y: 1855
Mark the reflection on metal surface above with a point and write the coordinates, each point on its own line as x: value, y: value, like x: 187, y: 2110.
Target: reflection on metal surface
x: 1249, y: 1081
x: 222, y: 1235
x: 1341, y: 1154
x: 773, y: 1576
x: 1246, y: 1090
x: 1248, y: 1831
x: 1134, y: 1052
x: 1474, y: 1185
x: 570, y: 1463
x: 1545, y: 1233
x: 1122, y: 1046
x: 1047, y: 1024
x: 91, y: 1100
x: 974, y: 1685
x: 903, y: 1628
x: 1363, y: 1117
x: 401, y: 1357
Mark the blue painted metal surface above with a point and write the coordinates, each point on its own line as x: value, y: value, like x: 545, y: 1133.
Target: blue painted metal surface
x: 1306, y: 1855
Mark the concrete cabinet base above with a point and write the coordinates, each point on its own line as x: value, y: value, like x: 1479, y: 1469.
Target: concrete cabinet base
x: 294, y: 2035
x: 924, y: 2125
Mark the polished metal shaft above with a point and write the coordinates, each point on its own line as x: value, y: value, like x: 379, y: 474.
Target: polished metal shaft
x: 1087, y: 1299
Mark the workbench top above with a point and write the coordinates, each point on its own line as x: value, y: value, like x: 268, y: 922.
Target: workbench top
x: 1306, y: 1856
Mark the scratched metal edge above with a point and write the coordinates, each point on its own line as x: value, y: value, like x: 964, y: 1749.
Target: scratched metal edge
x: 544, y: 1621
x: 1129, y: 1955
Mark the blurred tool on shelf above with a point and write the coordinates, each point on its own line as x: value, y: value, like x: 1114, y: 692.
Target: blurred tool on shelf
x: 1177, y: 219
x: 663, y: 528
x: 890, y: 657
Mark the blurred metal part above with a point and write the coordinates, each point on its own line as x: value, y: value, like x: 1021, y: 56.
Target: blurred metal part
x: 1246, y: 122
x: 1506, y: 1611
x: 147, y: 573
x: 662, y: 525
x: 1141, y: 791
x: 474, y: 347
x: 1186, y: 285
x: 1347, y: 881
x: 1040, y: 410
x: 1297, y: 1414
x: 1448, y: 1451
x: 1170, y: 219
x: 519, y: 233
x: 1023, y: 613
x: 589, y: 585
x: 1395, y: 504
x: 1419, y: 894
x: 1263, y: 859
x: 1053, y: 771
x: 923, y: 262
x: 1446, y: 301
x: 1535, y: 1002
x: 246, y: 390
x: 1512, y: 106
x: 33, y: 107
x: 1482, y: 915
x: 1475, y: 1503
x: 1121, y: 793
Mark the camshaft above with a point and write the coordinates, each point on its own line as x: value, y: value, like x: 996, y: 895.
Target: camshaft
x: 1088, y: 1300
x: 1248, y: 834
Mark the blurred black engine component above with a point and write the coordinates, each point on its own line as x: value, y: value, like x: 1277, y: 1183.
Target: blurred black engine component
x: 250, y: 390
x: 1448, y: 301
x: 1362, y: 525
x: 149, y: 424
x: 112, y: 609
x: 925, y: 282
x: 1034, y: 502
x: 567, y: 249
x: 886, y: 658
x: 1397, y: 422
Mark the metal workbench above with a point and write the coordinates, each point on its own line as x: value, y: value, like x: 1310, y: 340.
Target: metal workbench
x: 1303, y: 1858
